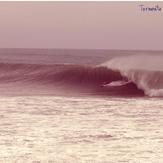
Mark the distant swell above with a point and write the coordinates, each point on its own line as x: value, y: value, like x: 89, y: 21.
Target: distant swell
x: 64, y: 78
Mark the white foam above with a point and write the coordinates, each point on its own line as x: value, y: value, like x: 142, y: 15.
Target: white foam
x: 145, y: 71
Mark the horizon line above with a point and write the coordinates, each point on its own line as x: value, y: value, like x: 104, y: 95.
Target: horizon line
x: 28, y: 48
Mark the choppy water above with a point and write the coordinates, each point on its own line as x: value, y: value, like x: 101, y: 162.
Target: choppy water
x: 49, y: 129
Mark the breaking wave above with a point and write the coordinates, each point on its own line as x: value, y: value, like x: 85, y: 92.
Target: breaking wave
x: 123, y: 76
x: 145, y: 71
x: 59, y: 78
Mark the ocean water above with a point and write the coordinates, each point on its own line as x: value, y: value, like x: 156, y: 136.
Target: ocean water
x: 81, y: 106
x: 51, y: 129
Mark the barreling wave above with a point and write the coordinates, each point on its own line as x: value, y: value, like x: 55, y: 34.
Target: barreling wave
x: 122, y: 76
x: 90, y: 79
x: 146, y: 72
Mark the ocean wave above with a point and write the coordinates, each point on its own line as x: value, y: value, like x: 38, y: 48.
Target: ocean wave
x: 63, y: 73
x: 91, y: 79
x: 145, y: 71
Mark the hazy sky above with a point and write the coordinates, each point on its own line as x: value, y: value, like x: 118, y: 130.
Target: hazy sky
x: 100, y: 25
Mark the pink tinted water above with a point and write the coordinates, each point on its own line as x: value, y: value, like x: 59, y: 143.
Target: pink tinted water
x: 51, y: 129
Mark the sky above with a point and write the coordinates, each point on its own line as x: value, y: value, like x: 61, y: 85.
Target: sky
x: 81, y: 25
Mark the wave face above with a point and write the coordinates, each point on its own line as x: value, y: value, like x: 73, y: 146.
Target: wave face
x: 145, y: 71
x: 58, y: 73
x: 62, y: 78
x: 122, y: 76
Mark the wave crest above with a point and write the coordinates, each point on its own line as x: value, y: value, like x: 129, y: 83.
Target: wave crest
x: 145, y: 71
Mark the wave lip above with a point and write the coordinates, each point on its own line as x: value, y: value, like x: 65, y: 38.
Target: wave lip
x: 145, y: 71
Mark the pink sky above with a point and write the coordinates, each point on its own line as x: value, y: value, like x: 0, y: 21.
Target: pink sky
x: 90, y: 25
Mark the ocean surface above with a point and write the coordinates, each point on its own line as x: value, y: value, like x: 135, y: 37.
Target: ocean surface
x: 81, y: 106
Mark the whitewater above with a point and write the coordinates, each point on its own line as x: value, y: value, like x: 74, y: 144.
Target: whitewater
x: 81, y: 106
x: 146, y: 71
